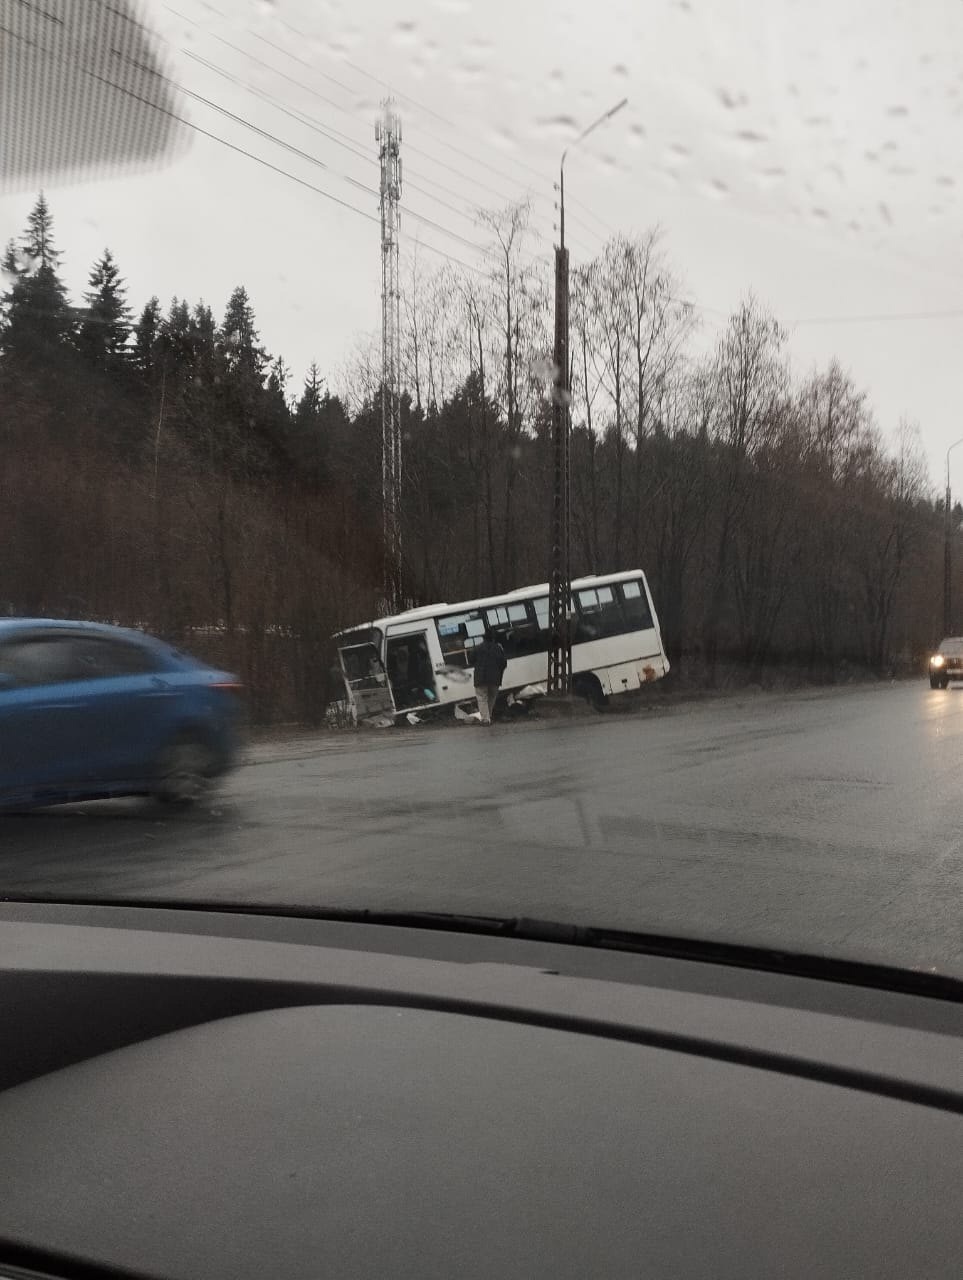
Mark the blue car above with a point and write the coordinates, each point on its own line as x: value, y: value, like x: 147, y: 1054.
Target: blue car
x: 90, y: 711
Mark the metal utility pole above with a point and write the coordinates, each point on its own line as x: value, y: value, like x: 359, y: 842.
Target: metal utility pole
x: 947, y: 549
x: 560, y: 577
x: 559, y: 588
x: 388, y: 137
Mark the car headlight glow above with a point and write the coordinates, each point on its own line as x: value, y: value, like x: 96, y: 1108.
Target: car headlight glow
x: 937, y: 660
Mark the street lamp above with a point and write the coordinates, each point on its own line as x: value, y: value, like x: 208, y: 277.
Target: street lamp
x: 947, y: 551
x: 560, y: 581
x: 577, y: 143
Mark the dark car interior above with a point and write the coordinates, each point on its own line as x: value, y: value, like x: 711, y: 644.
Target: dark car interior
x: 188, y: 1093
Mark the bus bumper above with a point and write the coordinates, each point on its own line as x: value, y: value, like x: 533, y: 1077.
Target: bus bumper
x: 632, y: 675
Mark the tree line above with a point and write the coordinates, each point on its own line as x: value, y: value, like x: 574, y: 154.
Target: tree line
x: 159, y: 468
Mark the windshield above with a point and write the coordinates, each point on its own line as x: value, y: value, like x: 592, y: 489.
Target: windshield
x: 537, y: 422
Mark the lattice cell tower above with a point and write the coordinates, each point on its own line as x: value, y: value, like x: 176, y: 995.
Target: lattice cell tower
x: 388, y: 137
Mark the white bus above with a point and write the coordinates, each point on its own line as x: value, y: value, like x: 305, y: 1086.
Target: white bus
x: 423, y: 659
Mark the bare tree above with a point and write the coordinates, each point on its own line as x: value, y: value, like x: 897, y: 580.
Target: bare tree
x: 611, y: 317
x: 840, y: 446
x: 660, y: 324
x: 517, y: 314
x: 891, y: 527
x: 751, y: 384
x: 586, y: 384
x: 358, y: 380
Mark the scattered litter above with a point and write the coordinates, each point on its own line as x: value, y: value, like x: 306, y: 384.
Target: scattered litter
x: 412, y: 718
x: 467, y: 717
x: 530, y: 691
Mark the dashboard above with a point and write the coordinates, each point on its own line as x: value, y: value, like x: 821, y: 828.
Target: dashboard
x: 213, y: 1094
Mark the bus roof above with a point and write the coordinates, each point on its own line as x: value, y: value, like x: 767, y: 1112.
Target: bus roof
x: 487, y: 602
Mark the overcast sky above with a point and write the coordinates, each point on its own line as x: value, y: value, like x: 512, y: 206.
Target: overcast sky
x: 809, y: 151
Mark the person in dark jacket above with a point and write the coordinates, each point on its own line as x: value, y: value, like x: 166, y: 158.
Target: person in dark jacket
x: 490, y: 663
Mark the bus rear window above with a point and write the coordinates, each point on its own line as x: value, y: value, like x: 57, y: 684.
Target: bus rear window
x: 638, y: 615
x: 600, y: 615
x: 612, y: 610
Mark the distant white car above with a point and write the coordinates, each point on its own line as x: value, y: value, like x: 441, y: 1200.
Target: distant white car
x: 947, y: 663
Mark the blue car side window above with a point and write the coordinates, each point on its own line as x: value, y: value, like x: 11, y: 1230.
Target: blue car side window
x: 106, y: 659
x: 39, y: 661
x: 45, y: 660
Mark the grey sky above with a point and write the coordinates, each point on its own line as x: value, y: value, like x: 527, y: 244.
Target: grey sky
x: 809, y: 151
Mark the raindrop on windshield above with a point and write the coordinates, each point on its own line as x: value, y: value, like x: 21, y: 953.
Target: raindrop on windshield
x: 731, y: 100
x: 405, y: 33
x: 562, y: 125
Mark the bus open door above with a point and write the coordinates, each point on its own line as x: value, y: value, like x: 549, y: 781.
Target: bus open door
x: 366, y: 683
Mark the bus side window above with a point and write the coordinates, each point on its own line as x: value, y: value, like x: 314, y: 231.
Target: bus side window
x: 514, y: 628
x: 635, y: 606
x: 458, y: 635
x: 522, y: 636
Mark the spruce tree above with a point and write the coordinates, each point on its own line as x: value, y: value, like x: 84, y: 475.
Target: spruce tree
x: 37, y: 316
x: 146, y: 337
x: 239, y: 339
x: 105, y: 322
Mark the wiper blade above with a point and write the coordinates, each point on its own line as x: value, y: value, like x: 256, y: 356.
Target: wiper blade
x: 524, y: 927
x: 698, y: 950
x: 919, y: 982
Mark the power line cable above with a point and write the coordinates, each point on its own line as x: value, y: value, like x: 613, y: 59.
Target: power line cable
x: 336, y: 136
x: 500, y: 194
x: 580, y: 204
x: 327, y: 132
x: 606, y: 228
x: 310, y: 159
x: 404, y: 97
x: 327, y: 195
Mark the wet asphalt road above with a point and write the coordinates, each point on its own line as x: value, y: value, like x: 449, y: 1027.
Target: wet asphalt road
x: 825, y: 821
